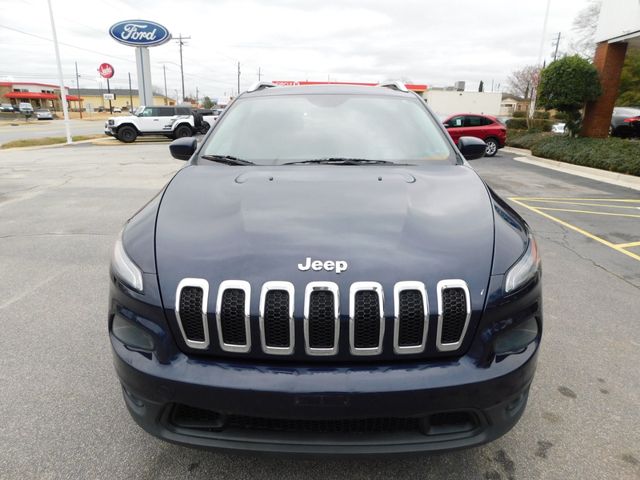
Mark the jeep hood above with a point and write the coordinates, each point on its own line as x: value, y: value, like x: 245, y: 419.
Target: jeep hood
x: 389, y: 223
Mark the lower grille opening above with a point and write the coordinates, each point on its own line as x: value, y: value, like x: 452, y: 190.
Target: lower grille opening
x: 446, y: 423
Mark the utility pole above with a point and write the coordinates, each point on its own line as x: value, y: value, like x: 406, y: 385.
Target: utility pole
x: 259, y: 76
x: 181, y: 43
x: 238, y: 78
x: 164, y: 71
x: 557, y: 44
x: 197, y: 103
x: 131, y: 95
x: 63, y: 92
x: 78, y: 91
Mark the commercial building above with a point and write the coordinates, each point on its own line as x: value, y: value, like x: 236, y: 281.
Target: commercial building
x: 93, y: 98
x: 39, y: 95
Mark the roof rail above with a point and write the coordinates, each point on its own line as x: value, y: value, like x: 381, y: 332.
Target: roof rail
x: 259, y: 86
x: 394, y: 85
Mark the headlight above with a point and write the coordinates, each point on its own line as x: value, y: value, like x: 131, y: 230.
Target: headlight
x: 524, y: 269
x: 124, y: 268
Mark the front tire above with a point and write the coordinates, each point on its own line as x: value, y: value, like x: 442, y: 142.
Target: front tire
x: 492, y: 147
x: 127, y: 134
x: 183, y: 131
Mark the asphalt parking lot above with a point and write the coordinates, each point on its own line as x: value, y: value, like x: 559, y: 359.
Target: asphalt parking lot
x: 61, y: 406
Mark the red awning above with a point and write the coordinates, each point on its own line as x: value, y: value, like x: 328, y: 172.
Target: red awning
x: 40, y: 95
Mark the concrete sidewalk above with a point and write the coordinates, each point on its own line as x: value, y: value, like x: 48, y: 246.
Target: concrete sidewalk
x: 614, y: 178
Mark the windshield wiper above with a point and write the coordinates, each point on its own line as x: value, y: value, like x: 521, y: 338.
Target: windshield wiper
x: 342, y: 161
x: 227, y: 159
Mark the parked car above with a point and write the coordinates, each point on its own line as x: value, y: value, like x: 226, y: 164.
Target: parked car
x: 6, y: 107
x: 558, y: 128
x: 485, y: 127
x: 43, y: 114
x: 326, y: 275
x: 25, y: 108
x: 172, y: 122
x: 625, y: 122
x: 117, y: 110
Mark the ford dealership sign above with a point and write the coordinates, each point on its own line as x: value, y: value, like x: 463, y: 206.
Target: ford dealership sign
x: 140, y: 33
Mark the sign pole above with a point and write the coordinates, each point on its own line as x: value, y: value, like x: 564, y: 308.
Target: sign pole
x: 109, y: 91
x: 63, y: 93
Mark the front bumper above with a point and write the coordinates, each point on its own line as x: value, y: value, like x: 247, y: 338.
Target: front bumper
x: 493, y: 397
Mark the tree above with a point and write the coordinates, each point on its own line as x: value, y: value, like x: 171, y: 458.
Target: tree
x: 584, y: 28
x: 566, y: 85
x: 481, y: 87
x: 630, y: 79
x: 207, y: 103
x: 521, y: 82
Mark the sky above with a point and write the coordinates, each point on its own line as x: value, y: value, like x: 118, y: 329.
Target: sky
x: 431, y: 42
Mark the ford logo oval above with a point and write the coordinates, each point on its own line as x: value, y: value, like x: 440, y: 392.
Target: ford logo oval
x: 140, y: 33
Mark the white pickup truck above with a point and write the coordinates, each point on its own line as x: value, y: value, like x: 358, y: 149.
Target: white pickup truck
x: 172, y: 122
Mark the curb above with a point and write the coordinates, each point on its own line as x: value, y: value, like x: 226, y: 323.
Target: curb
x: 613, y: 178
x: 40, y: 147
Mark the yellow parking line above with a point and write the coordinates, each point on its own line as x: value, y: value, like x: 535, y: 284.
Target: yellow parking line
x: 589, y: 212
x: 579, y: 199
x: 584, y: 204
x: 628, y: 245
x: 576, y: 229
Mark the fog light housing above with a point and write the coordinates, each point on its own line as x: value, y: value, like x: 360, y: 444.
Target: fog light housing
x: 133, y: 336
x: 517, y: 338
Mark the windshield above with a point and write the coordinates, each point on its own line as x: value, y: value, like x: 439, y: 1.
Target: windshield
x: 288, y: 128
x: 139, y: 111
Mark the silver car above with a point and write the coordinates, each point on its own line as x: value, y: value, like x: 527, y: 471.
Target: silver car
x: 43, y: 114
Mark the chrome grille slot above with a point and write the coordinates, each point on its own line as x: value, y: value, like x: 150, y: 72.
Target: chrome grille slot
x: 411, y: 317
x: 321, y: 318
x: 366, y: 318
x: 454, y: 313
x: 191, y: 312
x: 232, y: 316
x: 276, y: 318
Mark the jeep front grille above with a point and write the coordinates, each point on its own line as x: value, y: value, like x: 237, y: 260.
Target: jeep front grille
x: 321, y: 318
x: 276, y: 318
x: 232, y: 315
x: 366, y: 318
x: 454, y: 312
x: 321, y: 323
x: 191, y: 312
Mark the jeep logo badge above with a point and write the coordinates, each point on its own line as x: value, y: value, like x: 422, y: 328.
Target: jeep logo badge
x: 338, y: 266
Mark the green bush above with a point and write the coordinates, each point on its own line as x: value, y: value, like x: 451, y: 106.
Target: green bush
x: 541, y: 114
x: 612, y: 154
x: 560, y: 116
x: 520, y: 114
x: 517, y: 123
x: 536, y: 124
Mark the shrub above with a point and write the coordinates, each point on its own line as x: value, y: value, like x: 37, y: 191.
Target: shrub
x: 612, y: 154
x: 541, y: 114
x: 520, y: 114
x: 536, y: 123
x: 566, y: 85
x: 561, y: 116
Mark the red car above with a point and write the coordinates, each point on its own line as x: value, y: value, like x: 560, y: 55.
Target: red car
x: 484, y: 127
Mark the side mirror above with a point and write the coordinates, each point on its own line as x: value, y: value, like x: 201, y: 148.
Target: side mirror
x: 183, y: 148
x: 472, y: 147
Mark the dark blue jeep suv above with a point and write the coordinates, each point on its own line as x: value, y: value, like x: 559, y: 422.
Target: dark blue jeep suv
x: 326, y: 274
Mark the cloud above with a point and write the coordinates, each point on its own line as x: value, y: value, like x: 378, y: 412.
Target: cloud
x: 433, y: 42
